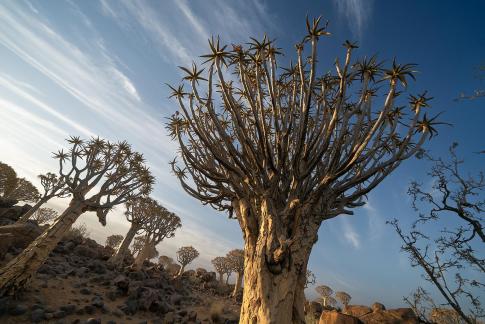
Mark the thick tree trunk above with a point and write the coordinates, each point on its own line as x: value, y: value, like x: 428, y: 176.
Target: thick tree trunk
x: 227, y: 278
x: 25, y: 217
x: 275, y: 265
x: 117, y: 258
x: 16, y: 274
x: 238, y: 284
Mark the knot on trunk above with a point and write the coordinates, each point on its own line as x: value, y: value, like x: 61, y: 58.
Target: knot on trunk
x: 279, y: 258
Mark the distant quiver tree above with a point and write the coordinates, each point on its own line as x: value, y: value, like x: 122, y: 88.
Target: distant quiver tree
x: 99, y: 176
x: 53, y: 186
x: 138, y: 212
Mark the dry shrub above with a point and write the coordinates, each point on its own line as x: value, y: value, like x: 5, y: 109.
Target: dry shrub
x: 216, y: 311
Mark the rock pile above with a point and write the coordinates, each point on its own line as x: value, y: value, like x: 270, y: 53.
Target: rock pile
x: 101, y: 292
x: 359, y: 314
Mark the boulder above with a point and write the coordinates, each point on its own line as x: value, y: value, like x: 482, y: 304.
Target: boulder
x: 357, y: 310
x: 9, y: 215
x: 148, y: 298
x: 378, y: 307
x: 391, y: 316
x: 188, y: 273
x: 313, y: 308
x: 18, y: 236
x: 122, y: 282
x: 334, y: 317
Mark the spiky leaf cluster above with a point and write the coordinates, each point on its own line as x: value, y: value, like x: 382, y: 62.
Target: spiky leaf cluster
x: 113, y: 241
x: 160, y: 224
x: 140, y: 210
x: 110, y: 172
x: 249, y: 128
x: 186, y: 254
x: 53, y: 186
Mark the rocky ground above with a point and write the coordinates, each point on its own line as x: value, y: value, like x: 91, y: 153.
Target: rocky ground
x: 77, y: 285
x: 358, y: 314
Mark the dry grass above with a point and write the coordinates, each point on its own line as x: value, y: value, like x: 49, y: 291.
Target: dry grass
x: 216, y: 311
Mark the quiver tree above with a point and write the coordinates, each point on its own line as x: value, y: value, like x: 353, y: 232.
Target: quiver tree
x: 343, y: 297
x: 113, y: 241
x: 138, y: 212
x: 99, y: 175
x: 53, y: 186
x: 165, y: 261
x: 310, y: 278
x: 162, y: 225
x: 44, y: 215
x: 282, y: 150
x: 236, y: 262
x: 325, y: 293
x: 147, y: 251
x: 14, y: 188
x: 222, y: 267
x: 185, y: 255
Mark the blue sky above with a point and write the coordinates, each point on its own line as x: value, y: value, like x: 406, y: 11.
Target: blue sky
x: 99, y: 67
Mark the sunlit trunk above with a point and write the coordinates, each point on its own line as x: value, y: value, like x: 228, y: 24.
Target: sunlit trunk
x: 32, y: 210
x: 181, y: 271
x: 274, y: 293
x: 117, y: 258
x: 17, y: 273
x: 238, y: 284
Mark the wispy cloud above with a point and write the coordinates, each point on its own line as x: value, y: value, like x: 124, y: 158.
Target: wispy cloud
x: 357, y: 13
x: 350, y: 234
x: 21, y: 90
x: 192, y: 18
x: 77, y: 85
x: 375, y: 222
x: 176, y: 38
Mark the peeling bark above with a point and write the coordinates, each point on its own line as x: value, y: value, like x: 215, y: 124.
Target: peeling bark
x: 275, y: 271
x: 17, y: 273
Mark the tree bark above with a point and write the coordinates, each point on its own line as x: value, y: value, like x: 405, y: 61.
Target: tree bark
x: 238, y: 284
x: 25, y: 217
x: 118, y: 258
x: 274, y: 292
x: 17, y: 273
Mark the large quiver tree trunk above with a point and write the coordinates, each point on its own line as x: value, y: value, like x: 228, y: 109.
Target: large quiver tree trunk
x: 275, y: 271
x: 17, y: 273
